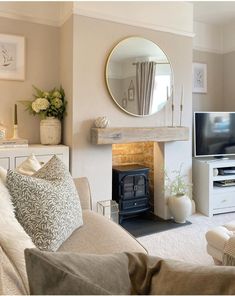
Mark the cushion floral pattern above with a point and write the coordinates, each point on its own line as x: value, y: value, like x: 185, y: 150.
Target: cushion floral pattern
x: 46, y: 204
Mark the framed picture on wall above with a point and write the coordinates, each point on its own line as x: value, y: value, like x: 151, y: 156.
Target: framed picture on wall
x: 131, y: 91
x: 199, y: 78
x: 12, y: 57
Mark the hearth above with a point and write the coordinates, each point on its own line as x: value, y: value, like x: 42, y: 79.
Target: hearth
x: 130, y: 189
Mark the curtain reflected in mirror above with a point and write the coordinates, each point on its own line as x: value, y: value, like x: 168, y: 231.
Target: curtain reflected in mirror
x: 139, y: 74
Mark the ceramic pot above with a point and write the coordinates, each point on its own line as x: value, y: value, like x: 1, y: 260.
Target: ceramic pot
x: 180, y: 207
x: 50, y: 131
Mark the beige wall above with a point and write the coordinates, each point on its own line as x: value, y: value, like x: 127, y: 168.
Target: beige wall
x: 229, y: 81
x: 42, y: 70
x: 66, y: 76
x: 213, y: 99
x: 94, y: 40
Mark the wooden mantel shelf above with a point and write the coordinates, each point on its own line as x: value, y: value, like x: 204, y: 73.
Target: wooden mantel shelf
x: 115, y: 135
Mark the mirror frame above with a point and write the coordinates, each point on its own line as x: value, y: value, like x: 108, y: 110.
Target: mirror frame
x: 106, y: 78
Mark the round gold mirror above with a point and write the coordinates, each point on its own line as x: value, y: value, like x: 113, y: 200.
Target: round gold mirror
x: 139, y: 76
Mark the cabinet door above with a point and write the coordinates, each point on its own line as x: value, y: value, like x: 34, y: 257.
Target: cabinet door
x: 5, y: 162
x: 224, y: 200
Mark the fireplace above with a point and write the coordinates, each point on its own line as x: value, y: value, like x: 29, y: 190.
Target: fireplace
x: 130, y: 189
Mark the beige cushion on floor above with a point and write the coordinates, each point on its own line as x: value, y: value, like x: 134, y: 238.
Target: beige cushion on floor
x: 97, y: 236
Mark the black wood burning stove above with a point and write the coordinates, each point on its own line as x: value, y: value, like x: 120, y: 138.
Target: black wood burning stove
x: 130, y: 189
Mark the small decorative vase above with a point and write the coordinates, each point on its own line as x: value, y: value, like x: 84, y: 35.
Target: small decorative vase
x: 50, y: 131
x: 101, y: 122
x: 180, y: 207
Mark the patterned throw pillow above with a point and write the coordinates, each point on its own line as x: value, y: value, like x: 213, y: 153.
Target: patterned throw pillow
x: 46, y: 204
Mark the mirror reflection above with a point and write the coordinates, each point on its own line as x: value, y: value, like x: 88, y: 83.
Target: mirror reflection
x: 139, y: 76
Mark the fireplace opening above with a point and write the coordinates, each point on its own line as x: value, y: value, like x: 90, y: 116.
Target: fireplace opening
x: 131, y: 190
x: 128, y: 157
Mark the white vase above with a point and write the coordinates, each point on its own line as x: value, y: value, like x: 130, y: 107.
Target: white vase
x: 180, y: 207
x: 50, y: 131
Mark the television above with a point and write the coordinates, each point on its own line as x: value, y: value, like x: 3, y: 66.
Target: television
x: 214, y: 134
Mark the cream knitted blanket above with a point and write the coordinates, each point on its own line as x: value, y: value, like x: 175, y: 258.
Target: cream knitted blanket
x: 229, y: 252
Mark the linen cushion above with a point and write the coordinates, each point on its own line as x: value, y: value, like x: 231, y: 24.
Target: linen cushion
x: 13, y: 241
x: 76, y: 274
x: 100, y: 236
x: 123, y: 273
x: 29, y: 166
x: 47, y: 204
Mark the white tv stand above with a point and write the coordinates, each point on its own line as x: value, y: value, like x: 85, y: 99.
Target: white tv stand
x: 211, y: 199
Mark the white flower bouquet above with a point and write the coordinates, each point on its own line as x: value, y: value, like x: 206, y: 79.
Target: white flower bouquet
x: 177, y: 185
x: 47, y: 103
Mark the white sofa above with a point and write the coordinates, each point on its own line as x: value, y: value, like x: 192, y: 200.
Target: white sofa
x: 217, y: 238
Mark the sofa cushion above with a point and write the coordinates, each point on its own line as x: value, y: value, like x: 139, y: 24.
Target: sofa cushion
x: 10, y: 280
x: 99, y: 235
x: 29, y: 166
x: 74, y: 274
x: 123, y: 273
x: 13, y: 240
x: 47, y: 204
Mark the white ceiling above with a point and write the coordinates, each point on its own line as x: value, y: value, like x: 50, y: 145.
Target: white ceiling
x: 214, y: 12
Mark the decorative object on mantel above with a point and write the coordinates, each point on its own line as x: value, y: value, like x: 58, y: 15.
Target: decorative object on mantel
x: 51, y: 107
x: 101, y: 122
x: 12, y: 57
x: 121, y: 135
x: 179, y: 203
x: 181, y: 104
x: 172, y: 106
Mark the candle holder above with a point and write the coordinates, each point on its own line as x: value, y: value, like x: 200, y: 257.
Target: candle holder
x: 15, y: 132
x: 181, y: 104
x: 172, y: 107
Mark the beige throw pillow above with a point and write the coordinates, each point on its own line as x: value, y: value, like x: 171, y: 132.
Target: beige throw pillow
x: 13, y: 238
x: 29, y: 166
x: 124, y: 273
x: 76, y: 274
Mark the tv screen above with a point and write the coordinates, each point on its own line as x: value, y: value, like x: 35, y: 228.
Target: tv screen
x: 214, y: 133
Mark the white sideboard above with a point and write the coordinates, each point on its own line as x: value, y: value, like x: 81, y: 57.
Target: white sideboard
x: 209, y: 198
x: 10, y: 158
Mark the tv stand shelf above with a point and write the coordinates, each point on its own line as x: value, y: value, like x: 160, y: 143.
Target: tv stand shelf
x: 209, y: 198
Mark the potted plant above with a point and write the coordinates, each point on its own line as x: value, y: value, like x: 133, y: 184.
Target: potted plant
x: 179, y: 190
x: 51, y: 108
